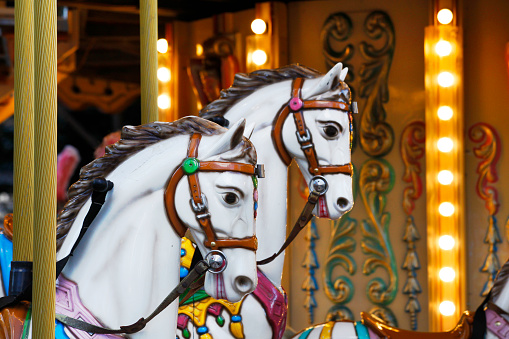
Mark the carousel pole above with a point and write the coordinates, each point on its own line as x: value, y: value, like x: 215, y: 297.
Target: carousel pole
x: 148, y: 60
x: 23, y: 130
x: 43, y: 306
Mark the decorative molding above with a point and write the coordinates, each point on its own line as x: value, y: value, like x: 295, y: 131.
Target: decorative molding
x: 337, y: 28
x: 376, y: 135
x: 385, y: 314
x: 310, y: 263
x: 488, y: 150
x: 376, y: 181
x: 412, y: 149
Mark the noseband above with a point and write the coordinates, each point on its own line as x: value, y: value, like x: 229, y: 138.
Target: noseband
x: 297, y: 106
x: 190, y: 167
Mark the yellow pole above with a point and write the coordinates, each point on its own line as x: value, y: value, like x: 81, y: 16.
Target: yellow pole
x: 43, y: 306
x: 23, y: 129
x: 148, y: 60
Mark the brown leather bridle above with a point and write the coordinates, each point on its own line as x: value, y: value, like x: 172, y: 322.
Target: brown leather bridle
x: 297, y: 106
x: 198, y: 199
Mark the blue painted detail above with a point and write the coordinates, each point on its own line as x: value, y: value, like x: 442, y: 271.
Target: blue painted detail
x: 362, y: 331
x: 5, y: 260
x: 236, y: 318
x: 202, y: 330
x: 305, y: 334
x: 59, y: 331
x: 183, y: 252
x: 256, y: 205
x: 183, y: 272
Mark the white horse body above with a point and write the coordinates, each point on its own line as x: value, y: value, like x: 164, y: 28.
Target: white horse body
x: 259, y: 110
x: 129, y: 259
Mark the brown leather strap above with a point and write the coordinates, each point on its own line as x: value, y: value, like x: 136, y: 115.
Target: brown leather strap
x: 219, y: 166
x: 304, y: 137
x: 250, y: 243
x: 169, y: 202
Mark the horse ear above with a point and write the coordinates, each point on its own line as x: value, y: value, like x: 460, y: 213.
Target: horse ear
x: 228, y: 140
x: 343, y: 73
x: 326, y: 83
x: 248, y: 132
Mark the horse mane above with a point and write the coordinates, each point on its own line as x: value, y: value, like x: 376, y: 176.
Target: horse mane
x: 245, y: 84
x: 133, y: 140
x: 500, y: 281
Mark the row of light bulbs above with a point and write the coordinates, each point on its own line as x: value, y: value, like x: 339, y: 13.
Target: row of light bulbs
x: 259, y: 56
x: 163, y: 75
x: 445, y: 79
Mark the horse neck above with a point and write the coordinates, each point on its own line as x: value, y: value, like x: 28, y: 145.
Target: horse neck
x: 272, y: 208
x: 131, y: 255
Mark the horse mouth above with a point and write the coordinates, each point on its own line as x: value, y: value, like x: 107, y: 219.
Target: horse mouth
x: 323, y: 212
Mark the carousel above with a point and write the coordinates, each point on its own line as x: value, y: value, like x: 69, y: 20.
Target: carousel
x: 227, y: 169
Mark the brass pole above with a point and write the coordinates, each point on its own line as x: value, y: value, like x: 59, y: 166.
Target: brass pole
x: 148, y: 60
x: 45, y: 50
x: 23, y: 129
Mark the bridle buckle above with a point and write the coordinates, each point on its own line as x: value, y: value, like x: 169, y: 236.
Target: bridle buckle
x: 303, y: 138
x: 199, y: 207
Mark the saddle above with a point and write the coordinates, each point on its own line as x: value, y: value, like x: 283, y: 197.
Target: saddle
x: 462, y: 330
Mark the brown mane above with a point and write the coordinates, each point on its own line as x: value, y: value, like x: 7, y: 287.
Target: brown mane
x: 245, y: 84
x: 134, y: 139
x: 500, y: 281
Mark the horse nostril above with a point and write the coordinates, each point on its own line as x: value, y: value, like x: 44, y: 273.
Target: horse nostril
x: 342, y: 203
x: 244, y: 284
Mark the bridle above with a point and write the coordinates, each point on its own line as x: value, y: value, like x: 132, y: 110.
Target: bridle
x: 190, y: 167
x: 297, y: 106
x: 318, y: 185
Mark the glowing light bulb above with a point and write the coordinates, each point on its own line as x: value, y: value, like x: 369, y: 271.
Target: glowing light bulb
x: 446, y: 242
x: 199, y: 50
x: 445, y: 177
x: 446, y: 209
x: 445, y: 79
x: 443, y: 48
x: 163, y: 74
x: 447, y: 274
x: 259, y: 57
x: 258, y: 26
x: 445, y: 144
x: 162, y: 45
x: 445, y: 16
x: 447, y: 308
x: 163, y: 101
x: 444, y: 113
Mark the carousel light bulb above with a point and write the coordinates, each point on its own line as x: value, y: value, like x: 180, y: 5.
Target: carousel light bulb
x: 446, y: 242
x: 447, y: 274
x: 445, y: 144
x: 445, y: 16
x: 445, y: 177
x: 163, y: 74
x: 443, y: 48
x: 447, y: 308
x: 445, y: 79
x: 162, y: 45
x: 163, y: 101
x: 259, y: 57
x: 258, y: 26
x: 444, y: 113
x: 199, y: 50
x: 446, y: 209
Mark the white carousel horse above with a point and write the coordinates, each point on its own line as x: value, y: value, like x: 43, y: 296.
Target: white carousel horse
x: 267, y: 99
x: 128, y: 261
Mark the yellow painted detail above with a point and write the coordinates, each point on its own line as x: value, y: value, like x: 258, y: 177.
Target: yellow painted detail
x: 198, y: 311
x: 327, y: 330
x: 237, y: 330
x: 187, y: 245
x: 206, y: 336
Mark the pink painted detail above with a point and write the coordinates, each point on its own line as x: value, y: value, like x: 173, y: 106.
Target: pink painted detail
x: 220, y: 289
x: 215, y: 309
x: 323, y: 212
x: 68, y: 303
x: 295, y: 104
x: 372, y: 334
x: 274, y: 302
x: 255, y: 194
x: 182, y: 321
x: 492, y: 318
x: 67, y: 161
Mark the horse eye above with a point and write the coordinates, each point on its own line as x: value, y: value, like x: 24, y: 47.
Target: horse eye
x: 330, y: 131
x: 231, y: 198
